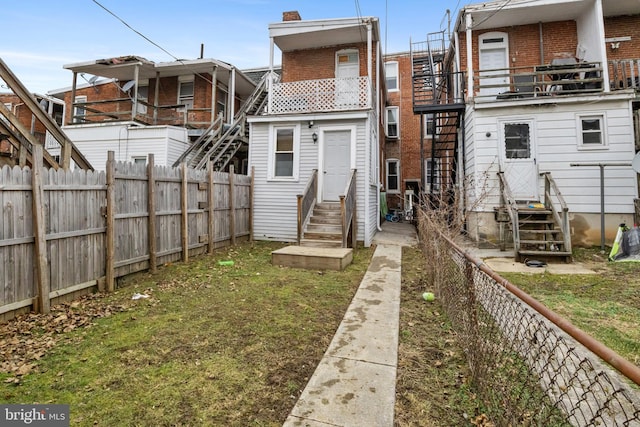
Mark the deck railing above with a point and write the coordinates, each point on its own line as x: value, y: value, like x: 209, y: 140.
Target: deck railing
x: 625, y: 74
x: 509, y: 204
x: 124, y: 109
x: 559, y: 79
x: 353, y: 93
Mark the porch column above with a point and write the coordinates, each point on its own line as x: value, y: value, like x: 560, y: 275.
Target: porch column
x: 232, y: 95
x: 74, y: 85
x: 134, y: 107
x: 469, y: 33
x: 155, y: 99
x: 214, y: 92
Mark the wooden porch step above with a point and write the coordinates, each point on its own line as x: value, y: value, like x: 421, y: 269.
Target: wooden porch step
x: 541, y: 242
x: 313, y: 258
x: 313, y: 227
x: 321, y: 243
x: 323, y: 235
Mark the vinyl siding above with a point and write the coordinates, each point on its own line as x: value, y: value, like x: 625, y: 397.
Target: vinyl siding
x: 556, y: 129
x: 275, y: 202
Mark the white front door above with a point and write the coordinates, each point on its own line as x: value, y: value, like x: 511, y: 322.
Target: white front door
x: 518, y: 160
x: 336, y: 164
x: 347, y: 73
x: 494, y: 77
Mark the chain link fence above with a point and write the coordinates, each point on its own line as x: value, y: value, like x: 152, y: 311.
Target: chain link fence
x: 525, y: 369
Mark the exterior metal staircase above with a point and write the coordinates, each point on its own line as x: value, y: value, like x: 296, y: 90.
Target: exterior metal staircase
x: 221, y: 141
x: 539, y: 230
x: 324, y: 228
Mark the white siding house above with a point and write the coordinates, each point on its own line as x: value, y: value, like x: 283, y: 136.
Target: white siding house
x: 325, y: 119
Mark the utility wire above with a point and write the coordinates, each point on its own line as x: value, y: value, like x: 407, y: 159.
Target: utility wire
x: 492, y: 14
x: 151, y: 41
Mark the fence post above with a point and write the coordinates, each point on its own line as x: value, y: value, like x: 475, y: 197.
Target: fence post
x: 185, y: 214
x: 151, y: 199
x: 42, y: 277
x: 212, y: 211
x: 232, y: 206
x: 110, y: 237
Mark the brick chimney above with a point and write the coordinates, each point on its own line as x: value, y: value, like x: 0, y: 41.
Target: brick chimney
x: 291, y: 16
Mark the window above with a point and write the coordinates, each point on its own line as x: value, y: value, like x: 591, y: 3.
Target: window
x: 591, y: 135
x: 392, y: 122
x: 139, y: 160
x: 391, y: 73
x: 284, y: 148
x: 429, y: 122
x: 431, y: 174
x: 517, y: 141
x: 78, y: 110
x: 185, y: 93
x: 143, y: 98
x: 393, y: 176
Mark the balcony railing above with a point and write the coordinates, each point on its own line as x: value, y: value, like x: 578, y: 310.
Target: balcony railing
x: 122, y: 109
x: 307, y: 96
x: 625, y: 74
x: 556, y: 79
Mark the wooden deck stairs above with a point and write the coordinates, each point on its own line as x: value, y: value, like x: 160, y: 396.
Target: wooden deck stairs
x: 321, y: 245
x: 221, y: 141
x: 540, y: 230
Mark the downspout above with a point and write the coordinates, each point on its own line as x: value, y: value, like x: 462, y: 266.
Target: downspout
x: 376, y: 102
x: 469, y: 34
x: 270, y: 78
x: 74, y: 86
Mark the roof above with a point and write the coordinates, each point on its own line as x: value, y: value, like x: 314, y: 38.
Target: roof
x: 494, y: 14
x: 256, y: 74
x: 123, y: 68
x: 311, y: 34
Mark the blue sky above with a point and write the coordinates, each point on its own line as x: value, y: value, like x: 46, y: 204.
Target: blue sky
x: 43, y: 35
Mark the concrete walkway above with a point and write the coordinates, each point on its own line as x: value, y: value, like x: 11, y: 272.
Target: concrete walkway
x: 354, y: 383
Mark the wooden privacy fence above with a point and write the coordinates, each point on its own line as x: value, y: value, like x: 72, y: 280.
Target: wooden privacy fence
x: 62, y: 232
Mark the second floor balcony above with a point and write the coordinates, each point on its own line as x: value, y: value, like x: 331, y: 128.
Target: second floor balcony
x: 324, y: 95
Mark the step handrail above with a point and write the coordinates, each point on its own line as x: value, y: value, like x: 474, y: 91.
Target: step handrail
x: 509, y: 202
x: 348, y: 211
x: 560, y: 216
x: 306, y: 202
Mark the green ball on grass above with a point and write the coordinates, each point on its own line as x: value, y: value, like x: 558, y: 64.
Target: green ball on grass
x: 428, y: 296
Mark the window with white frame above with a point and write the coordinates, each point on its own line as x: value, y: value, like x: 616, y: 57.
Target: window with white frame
x: 78, y: 110
x: 143, y: 97
x: 284, y: 152
x: 393, y: 176
x: 429, y: 123
x: 391, y: 74
x: 185, y: 92
x: 392, y: 121
x: 591, y: 132
x: 431, y: 174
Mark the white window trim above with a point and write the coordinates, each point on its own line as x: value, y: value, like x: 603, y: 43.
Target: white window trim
x: 427, y: 128
x: 386, y: 178
x: 386, y: 122
x: 427, y: 174
x: 76, y: 116
x: 271, y: 169
x: 603, y: 125
x: 397, y: 76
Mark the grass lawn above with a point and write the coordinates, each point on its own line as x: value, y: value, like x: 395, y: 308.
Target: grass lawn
x: 211, y: 345
x: 605, y: 305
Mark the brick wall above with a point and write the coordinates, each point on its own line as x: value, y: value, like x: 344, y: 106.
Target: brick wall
x: 312, y: 64
x: 407, y: 147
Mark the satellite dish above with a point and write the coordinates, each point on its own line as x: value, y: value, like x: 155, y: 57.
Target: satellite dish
x: 92, y: 80
x: 128, y: 85
x: 635, y: 164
